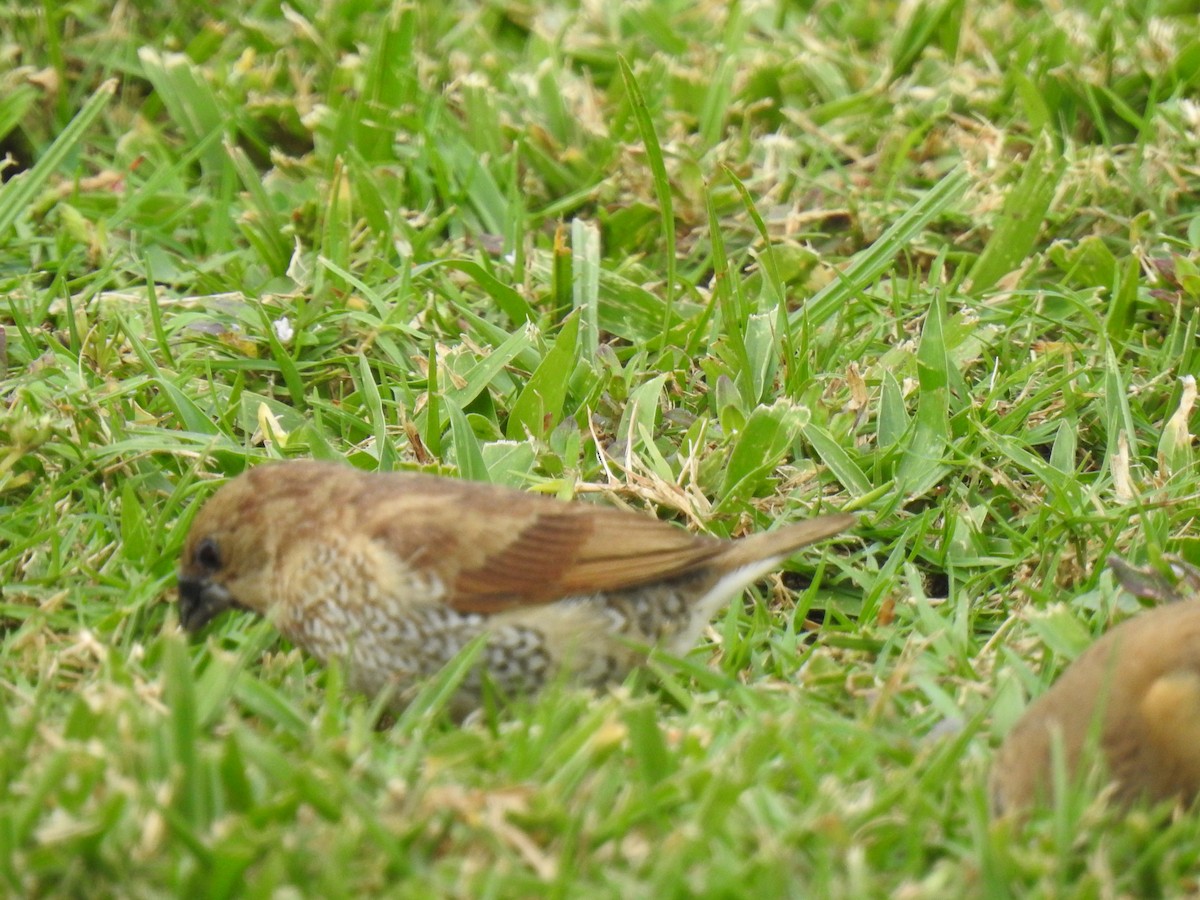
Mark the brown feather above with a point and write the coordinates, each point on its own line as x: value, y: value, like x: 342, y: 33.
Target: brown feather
x: 564, y: 554
x: 569, y: 555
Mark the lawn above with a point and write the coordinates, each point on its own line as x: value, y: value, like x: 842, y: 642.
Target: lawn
x: 729, y: 264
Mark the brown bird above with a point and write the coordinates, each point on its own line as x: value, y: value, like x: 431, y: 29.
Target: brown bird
x: 395, y: 573
x: 1132, y: 699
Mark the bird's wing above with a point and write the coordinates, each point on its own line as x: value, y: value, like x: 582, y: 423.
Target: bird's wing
x: 555, y: 554
x: 494, y: 549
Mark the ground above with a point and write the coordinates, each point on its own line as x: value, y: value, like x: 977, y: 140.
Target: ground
x: 727, y: 263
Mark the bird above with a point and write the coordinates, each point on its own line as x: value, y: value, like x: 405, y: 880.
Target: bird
x: 1130, y: 704
x: 395, y: 573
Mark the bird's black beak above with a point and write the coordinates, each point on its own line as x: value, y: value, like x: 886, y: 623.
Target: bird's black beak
x: 199, y: 601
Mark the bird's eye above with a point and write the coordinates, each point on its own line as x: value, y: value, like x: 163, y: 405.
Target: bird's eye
x: 208, y: 555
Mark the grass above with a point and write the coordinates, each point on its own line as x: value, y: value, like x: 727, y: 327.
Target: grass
x: 731, y: 263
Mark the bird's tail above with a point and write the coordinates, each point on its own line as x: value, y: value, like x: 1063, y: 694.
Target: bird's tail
x: 769, y: 548
x: 745, y: 561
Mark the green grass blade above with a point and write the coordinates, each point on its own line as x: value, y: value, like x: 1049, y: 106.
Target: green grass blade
x: 662, y: 185
x: 17, y: 195
x: 872, y: 262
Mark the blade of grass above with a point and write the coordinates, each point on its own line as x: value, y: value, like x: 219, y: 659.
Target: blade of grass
x: 539, y: 406
x: 662, y: 186
x: 468, y: 455
x: 1021, y: 218
x: 585, y: 288
x: 17, y: 195
x: 870, y: 263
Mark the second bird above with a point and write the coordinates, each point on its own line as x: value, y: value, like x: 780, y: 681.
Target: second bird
x: 395, y: 573
x: 1130, y: 702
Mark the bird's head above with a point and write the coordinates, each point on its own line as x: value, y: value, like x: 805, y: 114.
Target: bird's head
x: 228, y: 557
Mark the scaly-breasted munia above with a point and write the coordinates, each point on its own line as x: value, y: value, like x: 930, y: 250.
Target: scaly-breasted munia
x: 1130, y: 702
x: 395, y: 573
